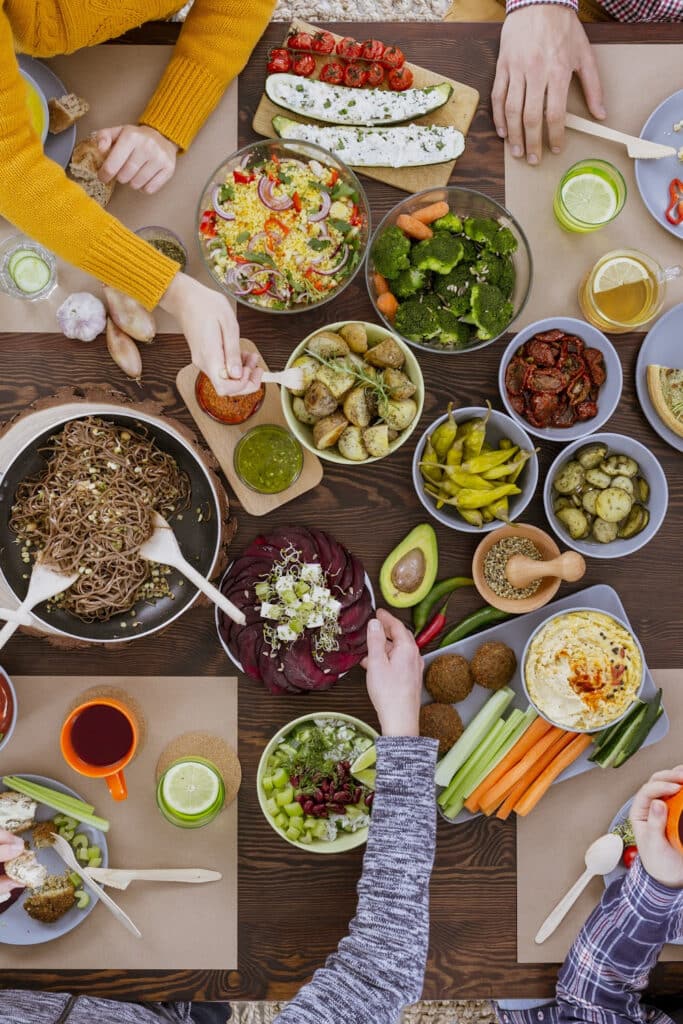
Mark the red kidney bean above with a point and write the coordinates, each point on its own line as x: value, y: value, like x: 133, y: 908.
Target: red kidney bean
x: 338, y: 808
x: 368, y: 800
x: 357, y: 795
x: 318, y: 796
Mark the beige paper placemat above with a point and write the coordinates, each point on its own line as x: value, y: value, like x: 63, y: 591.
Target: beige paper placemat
x: 636, y: 78
x: 551, y: 842
x: 190, y: 927
x: 117, y: 81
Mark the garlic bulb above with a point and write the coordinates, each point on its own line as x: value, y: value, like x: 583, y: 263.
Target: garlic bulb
x: 82, y: 316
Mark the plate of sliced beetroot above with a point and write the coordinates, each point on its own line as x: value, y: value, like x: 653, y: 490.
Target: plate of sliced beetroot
x: 560, y: 378
x: 307, y: 602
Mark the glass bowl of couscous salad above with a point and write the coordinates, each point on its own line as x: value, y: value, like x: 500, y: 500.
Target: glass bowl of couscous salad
x: 283, y: 226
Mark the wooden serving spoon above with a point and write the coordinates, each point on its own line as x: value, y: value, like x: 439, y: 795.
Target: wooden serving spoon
x: 520, y: 571
x: 46, y: 582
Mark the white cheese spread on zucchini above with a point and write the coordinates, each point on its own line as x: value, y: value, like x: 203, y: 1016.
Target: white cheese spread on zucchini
x: 411, y: 146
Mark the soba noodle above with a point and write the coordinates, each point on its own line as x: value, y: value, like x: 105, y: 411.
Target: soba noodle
x: 91, y: 508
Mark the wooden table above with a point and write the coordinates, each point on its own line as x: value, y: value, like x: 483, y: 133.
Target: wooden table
x: 294, y: 907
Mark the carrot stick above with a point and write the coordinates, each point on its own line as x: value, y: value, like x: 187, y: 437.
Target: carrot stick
x: 413, y: 227
x: 431, y: 213
x: 388, y: 305
x: 381, y: 284
x: 545, y: 780
x: 539, y: 727
x: 521, y: 787
x: 496, y: 794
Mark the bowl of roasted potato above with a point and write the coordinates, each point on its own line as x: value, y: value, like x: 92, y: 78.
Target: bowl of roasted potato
x: 606, y: 496
x: 361, y: 392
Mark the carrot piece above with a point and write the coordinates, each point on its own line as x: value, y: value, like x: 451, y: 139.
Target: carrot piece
x: 521, y: 787
x: 381, y: 284
x: 496, y: 794
x: 539, y: 727
x: 413, y: 227
x: 537, y: 789
x: 387, y: 304
x: 430, y: 213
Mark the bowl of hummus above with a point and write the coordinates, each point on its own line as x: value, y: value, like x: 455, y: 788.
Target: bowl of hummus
x: 582, y: 669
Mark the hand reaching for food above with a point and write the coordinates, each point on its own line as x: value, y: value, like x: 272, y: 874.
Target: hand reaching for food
x: 137, y: 155
x: 394, y: 675
x: 11, y: 846
x: 648, y: 818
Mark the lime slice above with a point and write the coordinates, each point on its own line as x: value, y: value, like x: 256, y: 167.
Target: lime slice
x: 589, y: 198
x: 30, y: 274
x: 190, y: 788
x: 366, y: 776
x: 618, y: 272
x: 364, y: 760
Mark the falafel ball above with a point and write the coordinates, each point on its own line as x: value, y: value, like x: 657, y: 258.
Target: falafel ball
x: 493, y: 665
x: 449, y: 679
x: 441, y: 722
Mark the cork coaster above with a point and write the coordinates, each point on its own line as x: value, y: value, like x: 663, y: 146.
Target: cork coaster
x: 211, y: 747
x: 114, y: 693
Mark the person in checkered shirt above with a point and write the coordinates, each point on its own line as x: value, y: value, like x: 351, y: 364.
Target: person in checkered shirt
x: 542, y: 45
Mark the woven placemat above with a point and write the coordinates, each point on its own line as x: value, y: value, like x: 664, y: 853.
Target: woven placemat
x: 211, y: 747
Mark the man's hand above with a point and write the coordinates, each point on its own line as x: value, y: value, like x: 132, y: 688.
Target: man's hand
x: 394, y: 675
x: 648, y: 817
x: 10, y: 846
x: 541, y: 46
x: 137, y: 156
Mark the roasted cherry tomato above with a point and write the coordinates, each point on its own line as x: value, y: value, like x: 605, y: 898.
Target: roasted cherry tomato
x: 323, y: 42
x: 372, y: 50
x: 300, y: 41
x: 348, y: 48
x: 629, y: 855
x: 243, y: 177
x: 393, y: 57
x: 375, y: 75
x: 207, y: 224
x: 332, y: 73
x: 400, y: 79
x: 303, y: 64
x: 355, y: 76
x: 279, y: 60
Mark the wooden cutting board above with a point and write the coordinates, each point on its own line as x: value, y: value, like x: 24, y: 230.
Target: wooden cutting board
x: 458, y: 113
x: 222, y: 439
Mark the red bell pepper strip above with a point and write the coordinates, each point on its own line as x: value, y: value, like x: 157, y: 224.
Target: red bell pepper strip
x: 674, y: 212
x: 262, y: 289
x: 296, y: 199
x: 243, y: 177
x: 207, y: 225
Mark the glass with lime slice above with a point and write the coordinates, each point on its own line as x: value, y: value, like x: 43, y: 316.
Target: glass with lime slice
x: 624, y: 290
x: 591, y: 194
x: 190, y: 793
x: 27, y: 270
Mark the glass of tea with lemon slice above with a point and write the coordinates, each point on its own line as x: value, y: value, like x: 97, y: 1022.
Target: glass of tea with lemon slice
x: 624, y: 290
x: 191, y: 792
x: 591, y: 194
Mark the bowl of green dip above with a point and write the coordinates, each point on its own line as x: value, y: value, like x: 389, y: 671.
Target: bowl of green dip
x: 268, y: 459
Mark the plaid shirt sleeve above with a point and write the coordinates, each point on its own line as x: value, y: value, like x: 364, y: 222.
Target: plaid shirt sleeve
x: 515, y: 5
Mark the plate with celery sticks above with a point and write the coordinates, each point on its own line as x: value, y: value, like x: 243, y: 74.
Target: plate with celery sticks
x: 33, y: 806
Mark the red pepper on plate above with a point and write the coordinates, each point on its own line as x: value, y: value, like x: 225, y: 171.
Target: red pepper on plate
x: 674, y: 211
x: 303, y: 64
x: 434, y: 627
x: 279, y: 60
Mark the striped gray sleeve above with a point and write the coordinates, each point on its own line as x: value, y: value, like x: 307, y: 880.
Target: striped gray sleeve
x: 379, y: 967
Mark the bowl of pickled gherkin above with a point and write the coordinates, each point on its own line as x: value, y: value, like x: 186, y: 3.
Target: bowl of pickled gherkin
x: 606, y: 497
x: 475, y: 468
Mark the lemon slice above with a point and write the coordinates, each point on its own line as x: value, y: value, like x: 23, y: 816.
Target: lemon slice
x: 364, y: 760
x: 190, y: 788
x: 618, y: 272
x: 366, y: 776
x: 589, y: 198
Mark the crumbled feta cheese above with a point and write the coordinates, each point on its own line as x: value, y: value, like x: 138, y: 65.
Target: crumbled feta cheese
x: 311, y: 572
x: 270, y: 611
x: 286, y: 634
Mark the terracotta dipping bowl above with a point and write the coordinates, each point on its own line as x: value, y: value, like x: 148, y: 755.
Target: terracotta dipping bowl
x: 549, y: 586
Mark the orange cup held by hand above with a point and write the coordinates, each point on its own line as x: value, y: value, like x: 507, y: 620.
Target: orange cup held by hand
x: 98, y: 739
x: 674, y: 822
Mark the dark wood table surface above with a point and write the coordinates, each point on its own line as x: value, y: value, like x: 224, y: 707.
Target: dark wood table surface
x: 294, y: 907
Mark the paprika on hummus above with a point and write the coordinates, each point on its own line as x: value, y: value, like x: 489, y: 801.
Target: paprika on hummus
x: 582, y: 670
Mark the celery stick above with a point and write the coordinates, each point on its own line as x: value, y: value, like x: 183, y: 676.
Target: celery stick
x: 49, y: 797
x: 483, y: 750
x: 66, y: 800
x: 475, y: 732
x: 507, y: 745
x: 478, y: 766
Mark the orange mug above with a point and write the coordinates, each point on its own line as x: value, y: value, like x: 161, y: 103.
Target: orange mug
x: 674, y: 821
x: 98, y: 739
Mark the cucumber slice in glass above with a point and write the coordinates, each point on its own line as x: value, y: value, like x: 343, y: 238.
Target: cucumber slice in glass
x: 30, y: 274
x: 16, y: 257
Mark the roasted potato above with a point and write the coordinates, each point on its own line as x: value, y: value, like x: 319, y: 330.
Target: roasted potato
x: 301, y: 412
x: 327, y: 431
x: 356, y: 408
x: 399, y: 413
x: 376, y: 440
x: 351, y: 445
x: 319, y: 400
x: 387, y: 353
x: 328, y: 345
x: 398, y: 384
x: 356, y: 337
x: 336, y: 379
x: 310, y: 367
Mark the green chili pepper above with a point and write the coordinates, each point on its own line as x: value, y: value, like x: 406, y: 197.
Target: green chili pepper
x: 486, y: 616
x: 476, y: 435
x: 439, y: 592
x: 483, y: 463
x: 444, y: 435
x: 429, y: 464
x: 468, y: 497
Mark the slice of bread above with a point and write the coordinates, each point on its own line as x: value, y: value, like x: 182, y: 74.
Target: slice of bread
x: 26, y: 870
x: 86, y: 161
x: 65, y: 111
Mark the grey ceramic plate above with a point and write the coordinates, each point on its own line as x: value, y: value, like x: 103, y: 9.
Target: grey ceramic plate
x: 16, y: 927
x: 662, y: 346
x: 653, y: 176
x: 58, y: 147
x: 515, y: 633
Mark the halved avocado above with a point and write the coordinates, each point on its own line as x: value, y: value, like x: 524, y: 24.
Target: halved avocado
x: 409, y: 572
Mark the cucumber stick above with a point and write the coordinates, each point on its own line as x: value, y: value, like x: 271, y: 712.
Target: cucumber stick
x: 473, y: 735
x: 483, y: 753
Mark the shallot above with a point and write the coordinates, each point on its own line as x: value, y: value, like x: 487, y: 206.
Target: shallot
x: 130, y: 316
x: 124, y: 351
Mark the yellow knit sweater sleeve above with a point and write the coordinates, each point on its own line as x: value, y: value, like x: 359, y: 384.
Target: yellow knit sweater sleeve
x: 214, y: 45
x: 38, y: 198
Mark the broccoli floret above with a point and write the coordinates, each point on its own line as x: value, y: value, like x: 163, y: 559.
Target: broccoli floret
x: 470, y: 251
x: 449, y: 222
x: 390, y: 252
x: 506, y: 281
x: 409, y: 282
x: 440, y: 253
x: 431, y: 300
x: 416, y: 320
x: 454, y: 289
x: 488, y: 267
x: 454, y: 333
x: 504, y: 242
x: 491, y: 311
x: 481, y: 229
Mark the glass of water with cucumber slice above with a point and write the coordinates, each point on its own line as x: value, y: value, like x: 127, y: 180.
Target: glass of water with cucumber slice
x: 27, y: 270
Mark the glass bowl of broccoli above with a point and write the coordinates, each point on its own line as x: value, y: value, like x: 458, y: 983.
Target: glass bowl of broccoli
x: 449, y: 270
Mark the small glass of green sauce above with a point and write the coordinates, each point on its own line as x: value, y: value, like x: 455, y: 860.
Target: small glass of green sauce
x: 268, y: 459
x: 166, y: 241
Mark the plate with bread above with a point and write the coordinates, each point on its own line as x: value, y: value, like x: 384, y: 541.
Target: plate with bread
x: 659, y: 377
x: 48, y: 901
x: 64, y: 109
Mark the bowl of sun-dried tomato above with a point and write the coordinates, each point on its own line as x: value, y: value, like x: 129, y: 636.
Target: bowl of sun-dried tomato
x: 226, y: 408
x: 560, y: 378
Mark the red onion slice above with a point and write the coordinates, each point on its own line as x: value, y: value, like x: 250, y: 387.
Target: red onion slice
x: 334, y: 270
x: 325, y: 204
x: 265, y: 194
x: 255, y: 240
x: 223, y: 213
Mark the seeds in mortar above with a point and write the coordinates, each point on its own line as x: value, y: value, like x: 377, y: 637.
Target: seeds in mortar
x: 496, y: 560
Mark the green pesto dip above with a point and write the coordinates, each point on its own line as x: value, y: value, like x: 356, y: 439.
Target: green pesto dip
x: 268, y: 459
